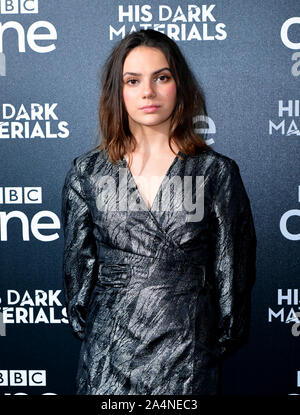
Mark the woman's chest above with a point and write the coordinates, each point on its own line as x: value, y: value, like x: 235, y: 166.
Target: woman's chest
x: 180, y: 209
x: 148, y: 175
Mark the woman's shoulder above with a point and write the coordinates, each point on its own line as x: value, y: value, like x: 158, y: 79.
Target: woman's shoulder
x: 213, y: 158
x: 95, y: 158
x: 86, y: 162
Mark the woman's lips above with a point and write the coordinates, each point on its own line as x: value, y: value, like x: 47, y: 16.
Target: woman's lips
x: 151, y: 108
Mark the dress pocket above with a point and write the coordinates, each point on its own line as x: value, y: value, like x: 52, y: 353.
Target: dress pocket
x: 114, y: 275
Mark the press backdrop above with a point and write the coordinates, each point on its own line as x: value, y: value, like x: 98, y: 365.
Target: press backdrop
x: 246, y: 56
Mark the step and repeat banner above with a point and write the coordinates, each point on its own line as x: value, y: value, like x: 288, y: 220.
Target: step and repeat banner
x: 246, y: 57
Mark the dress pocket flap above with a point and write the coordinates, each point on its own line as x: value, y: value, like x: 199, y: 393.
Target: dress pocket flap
x: 117, y: 275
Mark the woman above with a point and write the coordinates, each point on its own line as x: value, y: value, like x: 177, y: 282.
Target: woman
x: 157, y: 294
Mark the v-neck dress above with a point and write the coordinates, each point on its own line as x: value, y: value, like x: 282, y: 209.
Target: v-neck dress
x: 157, y: 296
x: 165, y: 177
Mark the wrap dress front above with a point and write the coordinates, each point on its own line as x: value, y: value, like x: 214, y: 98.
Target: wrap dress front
x: 156, y: 296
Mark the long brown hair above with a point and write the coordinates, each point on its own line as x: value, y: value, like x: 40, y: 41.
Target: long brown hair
x: 113, y: 119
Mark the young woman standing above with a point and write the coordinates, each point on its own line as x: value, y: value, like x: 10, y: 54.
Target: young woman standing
x: 156, y: 292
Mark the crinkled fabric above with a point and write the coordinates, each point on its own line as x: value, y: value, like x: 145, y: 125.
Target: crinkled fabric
x: 156, y: 298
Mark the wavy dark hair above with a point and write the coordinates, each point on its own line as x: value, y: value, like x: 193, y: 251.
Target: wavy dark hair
x: 117, y: 138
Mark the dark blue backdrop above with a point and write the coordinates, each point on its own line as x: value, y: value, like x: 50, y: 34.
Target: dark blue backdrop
x: 248, y: 70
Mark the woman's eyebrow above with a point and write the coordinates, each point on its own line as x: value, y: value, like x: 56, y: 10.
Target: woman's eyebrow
x: 153, y: 73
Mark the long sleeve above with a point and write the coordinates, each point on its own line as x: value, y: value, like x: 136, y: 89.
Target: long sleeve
x: 79, y: 253
x: 234, y: 256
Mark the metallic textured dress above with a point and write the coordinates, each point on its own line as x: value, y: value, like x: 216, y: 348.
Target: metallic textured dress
x: 158, y: 295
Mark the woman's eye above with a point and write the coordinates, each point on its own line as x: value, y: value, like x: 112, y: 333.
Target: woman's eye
x: 164, y: 76
x: 129, y: 81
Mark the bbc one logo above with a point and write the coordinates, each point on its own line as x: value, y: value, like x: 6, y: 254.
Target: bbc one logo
x: 286, y: 28
x: 23, y: 378
x: 24, y: 196
x: 291, y: 232
x: 17, y: 7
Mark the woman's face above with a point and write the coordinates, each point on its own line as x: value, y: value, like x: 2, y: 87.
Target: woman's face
x: 147, y: 81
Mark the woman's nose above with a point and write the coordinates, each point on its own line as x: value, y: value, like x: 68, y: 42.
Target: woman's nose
x: 149, y: 89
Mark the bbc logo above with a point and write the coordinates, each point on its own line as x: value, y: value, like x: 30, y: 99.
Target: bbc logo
x: 19, y: 6
x: 22, y: 377
x: 20, y: 195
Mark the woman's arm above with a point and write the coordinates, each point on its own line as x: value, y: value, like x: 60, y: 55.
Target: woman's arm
x: 80, y: 251
x: 234, y: 256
